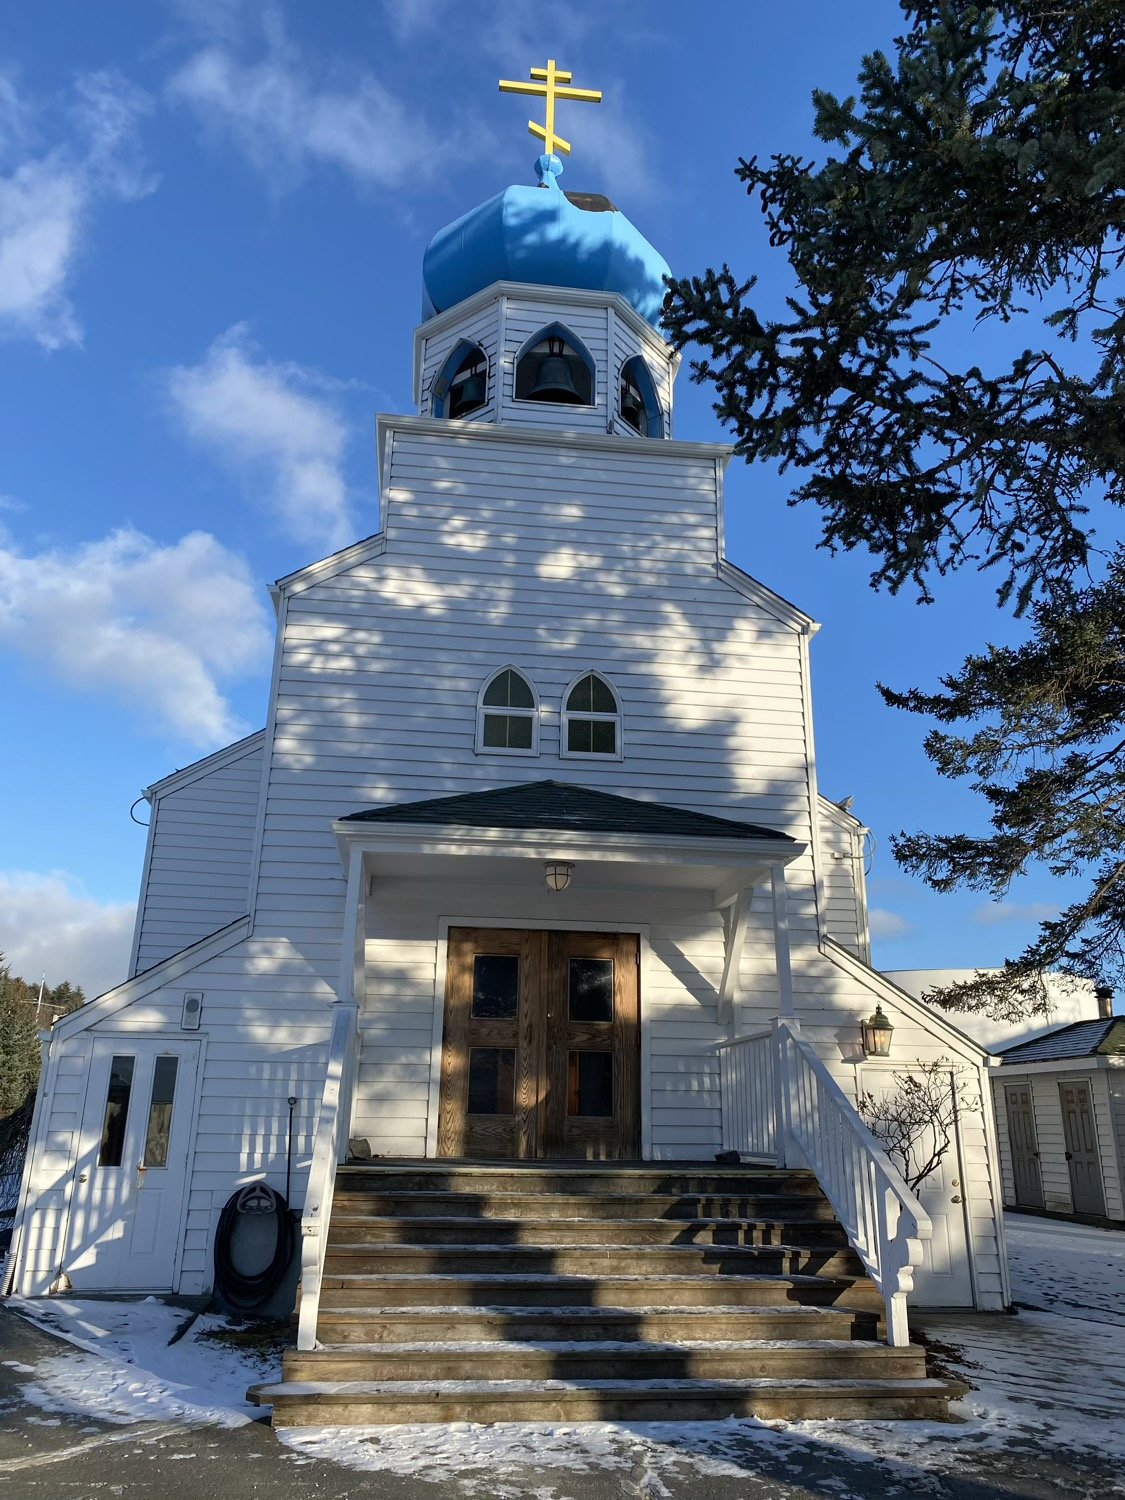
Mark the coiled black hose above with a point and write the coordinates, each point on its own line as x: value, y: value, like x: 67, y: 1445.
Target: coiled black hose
x: 248, y: 1290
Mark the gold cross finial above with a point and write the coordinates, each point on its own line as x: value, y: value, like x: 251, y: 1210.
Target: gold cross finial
x: 554, y: 86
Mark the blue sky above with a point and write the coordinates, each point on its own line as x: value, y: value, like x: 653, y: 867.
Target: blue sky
x: 212, y: 217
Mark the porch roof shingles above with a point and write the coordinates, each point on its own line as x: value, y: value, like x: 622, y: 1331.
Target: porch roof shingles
x: 1079, y: 1039
x: 562, y: 805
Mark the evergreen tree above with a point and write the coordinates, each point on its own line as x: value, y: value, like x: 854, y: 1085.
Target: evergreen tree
x: 21, y: 1017
x: 980, y: 177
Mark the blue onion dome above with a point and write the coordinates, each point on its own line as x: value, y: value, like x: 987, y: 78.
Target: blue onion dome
x: 544, y: 237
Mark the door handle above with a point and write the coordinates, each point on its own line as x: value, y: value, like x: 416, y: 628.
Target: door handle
x: 956, y: 1198
x: 81, y: 1177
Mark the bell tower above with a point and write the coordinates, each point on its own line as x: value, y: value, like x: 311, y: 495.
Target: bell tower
x: 542, y: 307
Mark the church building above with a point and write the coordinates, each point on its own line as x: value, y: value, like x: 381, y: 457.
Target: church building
x: 528, y: 873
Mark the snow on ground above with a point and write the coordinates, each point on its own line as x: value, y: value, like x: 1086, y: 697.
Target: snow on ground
x: 126, y: 1371
x: 1048, y: 1382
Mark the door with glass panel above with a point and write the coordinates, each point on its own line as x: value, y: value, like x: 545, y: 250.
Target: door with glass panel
x: 131, y: 1171
x: 541, y: 1047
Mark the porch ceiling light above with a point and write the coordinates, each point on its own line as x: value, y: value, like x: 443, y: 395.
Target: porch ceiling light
x: 558, y: 873
x: 877, y: 1032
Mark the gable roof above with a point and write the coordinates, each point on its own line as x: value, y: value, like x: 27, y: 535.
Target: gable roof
x: 1079, y: 1039
x: 562, y: 805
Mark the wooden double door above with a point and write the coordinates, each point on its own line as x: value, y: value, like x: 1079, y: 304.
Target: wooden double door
x: 541, y: 1045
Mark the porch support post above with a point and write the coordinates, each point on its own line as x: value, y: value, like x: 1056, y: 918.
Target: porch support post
x: 785, y: 1006
x: 737, y: 919
x: 350, y: 986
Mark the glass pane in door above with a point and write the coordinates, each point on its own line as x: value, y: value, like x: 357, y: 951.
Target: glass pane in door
x: 590, y: 1084
x: 496, y: 986
x: 591, y: 989
x: 116, y: 1111
x: 160, y: 1111
x: 492, y: 1081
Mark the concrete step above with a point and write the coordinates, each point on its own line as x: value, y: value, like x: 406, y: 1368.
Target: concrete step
x: 591, y: 1259
x: 377, y: 1325
x: 456, y: 1289
x: 362, y: 1403
x: 566, y: 1205
x: 674, y: 1179
x: 348, y: 1229
x: 808, y: 1359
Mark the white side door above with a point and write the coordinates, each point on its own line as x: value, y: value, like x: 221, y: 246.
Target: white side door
x: 945, y: 1278
x: 131, y: 1173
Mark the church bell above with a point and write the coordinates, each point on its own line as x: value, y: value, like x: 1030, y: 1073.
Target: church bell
x: 554, y: 379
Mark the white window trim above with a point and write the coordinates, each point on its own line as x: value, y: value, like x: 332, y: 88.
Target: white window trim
x: 531, y: 713
x: 591, y: 718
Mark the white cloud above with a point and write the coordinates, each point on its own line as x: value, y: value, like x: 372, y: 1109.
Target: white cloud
x: 288, y: 116
x: 158, y: 628
x: 50, y: 924
x: 887, y: 924
x: 995, y: 913
x: 277, y: 419
x: 47, y: 198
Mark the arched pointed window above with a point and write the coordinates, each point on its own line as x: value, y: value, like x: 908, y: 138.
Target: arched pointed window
x: 462, y: 384
x: 508, y: 715
x: 637, y: 399
x: 591, y: 720
x: 554, y: 367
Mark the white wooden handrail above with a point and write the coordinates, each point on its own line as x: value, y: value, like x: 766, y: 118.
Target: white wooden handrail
x: 330, y: 1145
x: 804, y: 1118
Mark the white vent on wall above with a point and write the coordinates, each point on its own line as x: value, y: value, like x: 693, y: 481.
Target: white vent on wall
x: 193, y: 1010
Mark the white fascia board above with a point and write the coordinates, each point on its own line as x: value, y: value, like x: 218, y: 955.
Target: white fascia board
x: 555, y: 296
x: 774, y: 604
x: 563, y: 843
x: 167, y: 971
x: 328, y: 567
x: 549, y: 437
x: 214, y: 762
x: 922, y: 1015
x: 1016, y: 1069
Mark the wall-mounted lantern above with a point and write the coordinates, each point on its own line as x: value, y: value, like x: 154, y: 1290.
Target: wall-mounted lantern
x: 877, y: 1033
x: 558, y: 873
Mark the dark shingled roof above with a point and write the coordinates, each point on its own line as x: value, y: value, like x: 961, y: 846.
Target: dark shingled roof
x: 559, y: 805
x: 1079, y: 1039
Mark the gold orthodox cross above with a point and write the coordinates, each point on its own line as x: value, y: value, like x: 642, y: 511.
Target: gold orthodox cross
x: 554, y: 86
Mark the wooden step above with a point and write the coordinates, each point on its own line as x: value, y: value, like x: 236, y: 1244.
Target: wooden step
x: 362, y: 1403
x: 566, y: 1205
x: 347, y: 1229
x: 374, y: 1324
x: 374, y: 1258
x: 811, y: 1359
x: 552, y: 1290
x: 673, y: 1179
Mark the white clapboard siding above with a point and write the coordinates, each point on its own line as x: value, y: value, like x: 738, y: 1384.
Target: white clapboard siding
x: 842, y: 875
x: 200, y: 848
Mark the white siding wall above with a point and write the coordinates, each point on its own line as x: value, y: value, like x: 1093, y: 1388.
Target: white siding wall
x: 197, y: 869
x: 264, y: 1033
x: 841, y: 861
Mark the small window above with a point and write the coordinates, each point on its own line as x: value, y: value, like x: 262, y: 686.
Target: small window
x: 160, y: 1111
x: 556, y: 369
x: 591, y: 718
x: 508, y: 715
x: 116, y: 1111
x: 462, y: 386
x: 638, y: 401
